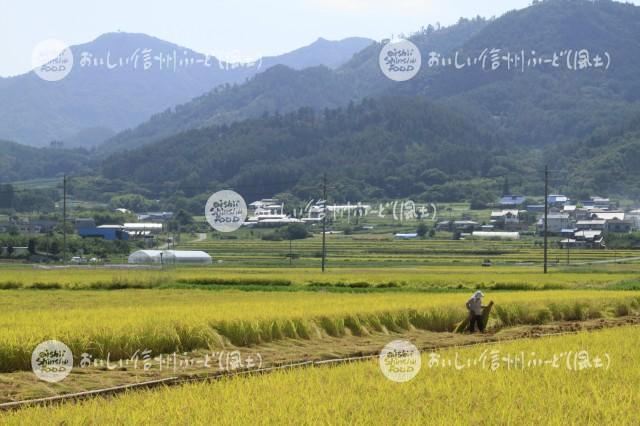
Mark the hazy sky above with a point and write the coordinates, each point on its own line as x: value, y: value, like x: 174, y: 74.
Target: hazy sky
x: 249, y: 28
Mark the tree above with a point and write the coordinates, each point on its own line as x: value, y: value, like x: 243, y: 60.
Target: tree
x: 481, y: 199
x: 6, y: 196
x: 133, y: 202
x: 182, y: 220
x: 13, y: 230
x: 506, y: 189
x: 422, y: 230
x: 54, y: 248
x: 31, y: 246
x: 296, y: 231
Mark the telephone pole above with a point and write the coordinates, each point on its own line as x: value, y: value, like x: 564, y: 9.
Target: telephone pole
x: 64, y: 219
x: 324, y: 221
x: 546, y: 215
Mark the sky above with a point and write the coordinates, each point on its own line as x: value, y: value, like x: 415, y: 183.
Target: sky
x: 245, y: 29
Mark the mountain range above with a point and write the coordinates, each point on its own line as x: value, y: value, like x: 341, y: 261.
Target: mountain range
x: 121, y: 79
x: 458, y: 130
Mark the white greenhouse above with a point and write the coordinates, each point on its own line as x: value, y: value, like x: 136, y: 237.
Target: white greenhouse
x: 496, y: 235
x: 170, y: 257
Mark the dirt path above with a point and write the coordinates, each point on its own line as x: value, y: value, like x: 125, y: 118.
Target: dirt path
x: 200, y: 237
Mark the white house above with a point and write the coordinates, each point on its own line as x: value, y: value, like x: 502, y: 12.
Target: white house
x: 556, y: 222
x: 594, y: 224
x: 634, y: 217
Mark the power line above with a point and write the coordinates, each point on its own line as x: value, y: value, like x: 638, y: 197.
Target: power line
x: 324, y: 221
x: 546, y: 216
x: 64, y: 219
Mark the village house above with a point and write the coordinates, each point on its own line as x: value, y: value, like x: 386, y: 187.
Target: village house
x: 584, y: 239
x: 619, y: 226
x: 512, y: 200
x: 466, y: 226
x: 28, y: 226
x: 592, y: 224
x: 556, y: 223
x: 606, y: 214
x: 557, y: 200
x: 634, y: 217
x: 506, y: 219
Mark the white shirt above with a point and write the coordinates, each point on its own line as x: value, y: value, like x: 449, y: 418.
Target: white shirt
x: 475, y: 305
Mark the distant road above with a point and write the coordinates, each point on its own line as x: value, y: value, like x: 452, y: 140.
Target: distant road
x: 599, y: 262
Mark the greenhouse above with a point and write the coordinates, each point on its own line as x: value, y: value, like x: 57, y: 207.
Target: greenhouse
x: 496, y: 235
x: 169, y: 257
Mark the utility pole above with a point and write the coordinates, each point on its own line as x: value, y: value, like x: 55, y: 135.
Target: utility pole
x: 324, y: 221
x: 546, y: 215
x: 64, y: 219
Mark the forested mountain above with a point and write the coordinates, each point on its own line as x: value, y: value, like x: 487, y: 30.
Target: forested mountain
x: 101, y: 96
x: 20, y: 162
x: 605, y: 162
x: 534, y: 105
x: 277, y: 89
x: 542, y: 104
x: 379, y: 148
x: 283, y: 90
x: 446, y: 135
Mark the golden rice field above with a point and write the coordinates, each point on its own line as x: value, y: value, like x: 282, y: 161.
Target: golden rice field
x: 507, y: 277
x: 359, y: 394
x: 122, y: 322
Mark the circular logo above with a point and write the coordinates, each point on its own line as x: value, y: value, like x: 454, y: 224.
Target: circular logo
x: 225, y: 211
x: 400, y: 361
x: 51, y: 361
x: 52, y: 60
x: 400, y: 60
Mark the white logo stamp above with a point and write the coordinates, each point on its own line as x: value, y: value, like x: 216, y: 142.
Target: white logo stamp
x: 51, y: 361
x: 400, y: 60
x: 52, y: 60
x: 225, y: 211
x: 400, y: 361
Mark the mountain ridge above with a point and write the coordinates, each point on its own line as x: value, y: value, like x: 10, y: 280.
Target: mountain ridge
x: 35, y: 112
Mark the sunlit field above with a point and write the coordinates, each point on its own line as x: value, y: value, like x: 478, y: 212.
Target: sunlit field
x: 384, y: 250
x: 506, y: 277
x: 598, y: 394
x: 164, y: 321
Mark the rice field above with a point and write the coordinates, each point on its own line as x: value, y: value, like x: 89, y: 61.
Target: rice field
x: 383, y: 250
x: 415, y: 277
x: 359, y: 394
x: 122, y: 322
x: 374, y: 288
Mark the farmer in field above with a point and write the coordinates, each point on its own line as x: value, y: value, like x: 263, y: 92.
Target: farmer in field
x: 475, y: 307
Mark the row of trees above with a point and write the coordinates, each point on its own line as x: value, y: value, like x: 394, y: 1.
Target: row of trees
x: 20, y: 200
x: 52, y: 246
